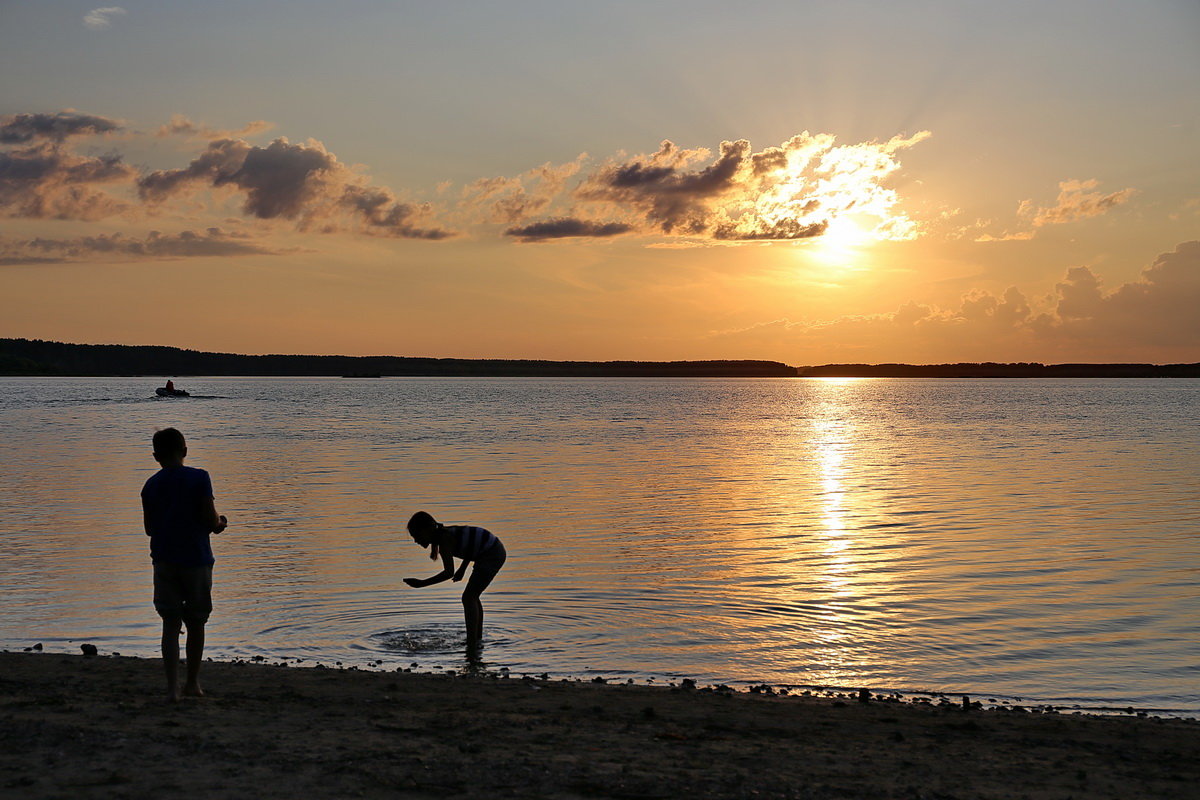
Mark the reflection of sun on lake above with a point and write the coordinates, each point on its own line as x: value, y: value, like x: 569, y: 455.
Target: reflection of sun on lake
x: 831, y: 438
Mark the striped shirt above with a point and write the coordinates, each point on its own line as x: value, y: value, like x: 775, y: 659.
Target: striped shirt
x: 469, y: 542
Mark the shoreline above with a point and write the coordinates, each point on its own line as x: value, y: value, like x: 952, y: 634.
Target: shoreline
x: 393, y: 663
x: 92, y: 726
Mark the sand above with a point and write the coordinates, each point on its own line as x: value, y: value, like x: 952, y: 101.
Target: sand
x: 75, y: 726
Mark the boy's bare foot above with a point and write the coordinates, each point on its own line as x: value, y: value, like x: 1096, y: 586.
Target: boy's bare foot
x: 193, y: 690
x: 173, y: 697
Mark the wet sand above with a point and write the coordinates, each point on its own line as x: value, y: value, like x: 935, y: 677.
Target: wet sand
x: 90, y: 727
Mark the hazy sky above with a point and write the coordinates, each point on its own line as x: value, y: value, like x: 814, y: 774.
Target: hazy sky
x: 811, y: 183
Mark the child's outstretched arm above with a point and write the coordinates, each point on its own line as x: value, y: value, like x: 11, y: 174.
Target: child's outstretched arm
x: 447, y: 572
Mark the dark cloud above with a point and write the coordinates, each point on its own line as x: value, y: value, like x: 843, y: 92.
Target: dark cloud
x: 212, y: 242
x: 672, y: 199
x: 216, y: 166
x: 381, y: 210
x: 300, y: 182
x: 781, y: 230
x: 565, y: 227
x: 47, y: 182
x: 23, y: 128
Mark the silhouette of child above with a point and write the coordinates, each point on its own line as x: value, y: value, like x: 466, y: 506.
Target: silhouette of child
x: 470, y: 544
x: 179, y: 514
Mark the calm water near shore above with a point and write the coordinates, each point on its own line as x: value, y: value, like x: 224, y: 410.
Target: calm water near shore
x: 1008, y: 538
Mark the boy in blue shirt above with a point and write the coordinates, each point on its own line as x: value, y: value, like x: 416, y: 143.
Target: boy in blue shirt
x: 178, y: 513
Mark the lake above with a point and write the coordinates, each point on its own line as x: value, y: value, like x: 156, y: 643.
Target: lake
x: 1034, y: 539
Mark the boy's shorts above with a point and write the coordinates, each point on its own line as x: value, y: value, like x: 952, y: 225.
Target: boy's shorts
x: 183, y: 592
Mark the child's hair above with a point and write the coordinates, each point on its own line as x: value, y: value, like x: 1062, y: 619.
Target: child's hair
x: 421, y: 522
x: 421, y: 525
x: 169, y: 442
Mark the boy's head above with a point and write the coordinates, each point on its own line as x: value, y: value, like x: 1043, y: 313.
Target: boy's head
x: 169, y: 446
x: 421, y: 527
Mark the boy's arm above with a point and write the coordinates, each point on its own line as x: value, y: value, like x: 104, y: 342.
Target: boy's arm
x: 146, y: 518
x: 215, y: 522
x: 447, y: 572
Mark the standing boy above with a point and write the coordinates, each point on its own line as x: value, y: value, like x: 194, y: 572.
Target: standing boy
x: 179, y: 514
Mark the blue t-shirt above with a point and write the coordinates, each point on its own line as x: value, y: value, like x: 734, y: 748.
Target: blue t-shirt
x: 173, y: 499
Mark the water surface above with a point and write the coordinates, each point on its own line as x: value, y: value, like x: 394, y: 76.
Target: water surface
x: 1011, y: 538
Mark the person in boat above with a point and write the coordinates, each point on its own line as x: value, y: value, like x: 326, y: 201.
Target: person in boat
x: 469, y: 543
x: 170, y: 385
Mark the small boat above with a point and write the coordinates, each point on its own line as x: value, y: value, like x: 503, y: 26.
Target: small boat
x: 163, y: 391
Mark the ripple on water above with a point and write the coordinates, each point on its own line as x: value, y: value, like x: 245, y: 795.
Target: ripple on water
x: 426, y: 640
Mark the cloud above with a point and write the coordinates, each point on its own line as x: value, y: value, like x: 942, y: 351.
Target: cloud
x: 45, y: 181
x: 212, y: 242
x: 1159, y: 308
x: 300, y: 182
x: 564, y: 227
x: 100, y: 18
x: 1074, y: 202
x: 180, y: 125
x: 1018, y: 236
x: 511, y: 200
x: 793, y: 191
x: 24, y: 128
x: 1150, y: 319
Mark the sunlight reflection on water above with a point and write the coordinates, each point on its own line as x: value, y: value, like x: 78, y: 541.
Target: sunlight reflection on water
x: 1032, y: 538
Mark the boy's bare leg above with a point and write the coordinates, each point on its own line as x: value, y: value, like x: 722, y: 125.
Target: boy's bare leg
x: 170, y: 654
x: 195, y: 652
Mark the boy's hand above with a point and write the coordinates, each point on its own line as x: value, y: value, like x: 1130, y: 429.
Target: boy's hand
x: 458, y: 576
x: 413, y: 582
x: 224, y: 523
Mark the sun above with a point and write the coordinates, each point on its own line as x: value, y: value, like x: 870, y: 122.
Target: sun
x: 842, y: 243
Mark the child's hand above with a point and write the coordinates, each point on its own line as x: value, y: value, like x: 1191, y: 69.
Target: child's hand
x: 458, y: 576
x: 413, y: 582
x: 224, y: 523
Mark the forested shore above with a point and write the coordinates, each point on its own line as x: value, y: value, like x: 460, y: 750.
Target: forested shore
x: 38, y: 357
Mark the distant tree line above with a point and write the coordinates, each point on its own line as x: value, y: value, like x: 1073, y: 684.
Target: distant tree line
x: 994, y: 370
x: 37, y: 357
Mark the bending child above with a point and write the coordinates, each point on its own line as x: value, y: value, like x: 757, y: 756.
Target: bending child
x: 466, y: 542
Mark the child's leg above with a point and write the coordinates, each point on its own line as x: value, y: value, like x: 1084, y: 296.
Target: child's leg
x: 170, y: 654
x: 473, y: 610
x: 195, y: 653
x: 481, y: 578
x: 198, y: 589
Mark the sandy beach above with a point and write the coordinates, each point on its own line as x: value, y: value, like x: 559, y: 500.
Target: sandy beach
x: 98, y: 726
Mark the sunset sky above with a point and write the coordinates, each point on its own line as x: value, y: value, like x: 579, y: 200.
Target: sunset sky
x: 810, y: 183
